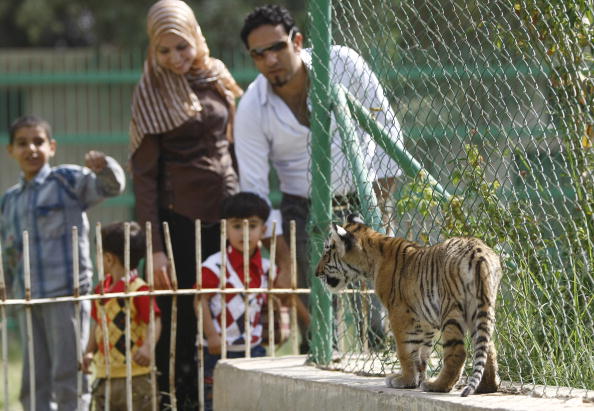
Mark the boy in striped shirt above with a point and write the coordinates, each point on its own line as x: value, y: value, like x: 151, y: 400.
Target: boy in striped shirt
x: 47, y: 202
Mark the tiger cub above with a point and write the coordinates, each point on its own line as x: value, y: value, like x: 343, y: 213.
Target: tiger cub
x: 449, y: 287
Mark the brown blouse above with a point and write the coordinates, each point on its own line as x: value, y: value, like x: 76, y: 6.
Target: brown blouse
x: 187, y: 170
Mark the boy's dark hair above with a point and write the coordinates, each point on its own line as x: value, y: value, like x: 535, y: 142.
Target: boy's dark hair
x: 29, y: 121
x: 272, y: 14
x: 113, y: 239
x: 245, y: 205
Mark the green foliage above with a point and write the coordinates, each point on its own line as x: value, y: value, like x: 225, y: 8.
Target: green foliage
x: 554, y: 26
x: 66, y: 23
x: 546, y: 305
x: 561, y: 33
x: 545, y: 316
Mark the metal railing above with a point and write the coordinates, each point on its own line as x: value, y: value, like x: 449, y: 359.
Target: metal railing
x: 27, y: 302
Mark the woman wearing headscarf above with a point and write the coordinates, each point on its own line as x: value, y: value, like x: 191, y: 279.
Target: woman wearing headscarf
x: 182, y: 168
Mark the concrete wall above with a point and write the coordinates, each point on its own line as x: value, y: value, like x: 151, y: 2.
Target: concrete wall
x: 287, y: 384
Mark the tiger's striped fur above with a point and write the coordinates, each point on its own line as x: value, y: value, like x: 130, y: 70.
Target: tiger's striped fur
x: 450, y: 287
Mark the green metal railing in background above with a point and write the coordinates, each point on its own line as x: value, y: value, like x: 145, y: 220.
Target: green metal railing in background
x: 35, y: 81
x: 241, y: 75
x: 356, y: 159
x: 405, y: 160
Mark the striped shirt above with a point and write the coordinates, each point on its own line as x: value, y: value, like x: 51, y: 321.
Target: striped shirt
x: 48, y: 207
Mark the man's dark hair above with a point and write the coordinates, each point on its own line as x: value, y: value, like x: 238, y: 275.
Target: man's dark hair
x: 271, y: 14
x: 113, y: 239
x: 28, y: 121
x: 245, y: 205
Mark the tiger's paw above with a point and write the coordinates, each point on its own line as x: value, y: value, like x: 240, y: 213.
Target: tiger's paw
x: 399, y: 381
x: 433, y: 386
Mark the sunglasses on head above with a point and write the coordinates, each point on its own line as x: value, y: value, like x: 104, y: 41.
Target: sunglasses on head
x: 259, y: 52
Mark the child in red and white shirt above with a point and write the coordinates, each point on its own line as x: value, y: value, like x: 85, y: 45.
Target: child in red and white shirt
x: 235, y: 209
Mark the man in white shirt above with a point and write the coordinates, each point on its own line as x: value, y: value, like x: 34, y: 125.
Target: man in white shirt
x: 272, y: 122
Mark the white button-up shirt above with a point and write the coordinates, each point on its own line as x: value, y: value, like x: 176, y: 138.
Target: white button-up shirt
x: 267, y: 132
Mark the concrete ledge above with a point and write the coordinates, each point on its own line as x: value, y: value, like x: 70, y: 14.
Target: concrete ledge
x: 287, y: 384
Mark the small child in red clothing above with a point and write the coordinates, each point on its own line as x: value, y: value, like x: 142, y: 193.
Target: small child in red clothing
x: 235, y: 209
x: 115, y: 312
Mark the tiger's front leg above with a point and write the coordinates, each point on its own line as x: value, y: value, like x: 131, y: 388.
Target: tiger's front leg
x: 407, y: 348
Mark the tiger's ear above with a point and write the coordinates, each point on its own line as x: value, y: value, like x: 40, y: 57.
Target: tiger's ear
x: 355, y: 218
x: 342, y: 237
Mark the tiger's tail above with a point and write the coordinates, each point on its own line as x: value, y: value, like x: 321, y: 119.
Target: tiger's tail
x: 487, y: 278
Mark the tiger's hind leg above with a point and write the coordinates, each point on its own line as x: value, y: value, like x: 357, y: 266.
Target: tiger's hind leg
x: 454, y: 355
x: 424, y: 353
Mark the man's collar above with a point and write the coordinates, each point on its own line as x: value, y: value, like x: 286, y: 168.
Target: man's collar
x: 306, y: 57
x: 263, y: 88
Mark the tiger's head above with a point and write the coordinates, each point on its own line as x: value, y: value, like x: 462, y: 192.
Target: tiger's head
x: 344, y: 259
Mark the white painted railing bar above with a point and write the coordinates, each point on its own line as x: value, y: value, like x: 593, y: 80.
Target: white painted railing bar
x: 104, y: 329
x: 199, y: 314
x: 3, y: 293
x: 127, y: 318
x: 77, y: 314
x: 271, y: 302
x: 173, y: 335
x: 5, y: 356
x: 29, y: 320
x: 156, y: 293
x: 246, y: 284
x: 152, y: 334
x: 223, y: 288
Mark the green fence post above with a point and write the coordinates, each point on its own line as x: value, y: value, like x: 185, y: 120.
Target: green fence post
x: 351, y: 147
x: 321, y: 211
x: 405, y: 160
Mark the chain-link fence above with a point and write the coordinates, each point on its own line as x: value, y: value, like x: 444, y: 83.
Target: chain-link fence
x: 493, y: 103
x: 85, y: 94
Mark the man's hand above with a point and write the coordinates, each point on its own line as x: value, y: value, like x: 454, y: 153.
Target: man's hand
x: 95, y: 160
x: 214, y: 344
x: 142, y: 356
x: 86, y: 362
x: 161, y: 271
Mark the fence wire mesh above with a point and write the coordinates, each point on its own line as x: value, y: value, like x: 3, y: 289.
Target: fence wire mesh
x: 494, y: 99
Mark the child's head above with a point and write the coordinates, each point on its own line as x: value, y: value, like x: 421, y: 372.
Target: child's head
x: 113, y: 239
x: 31, y: 144
x: 245, y: 206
